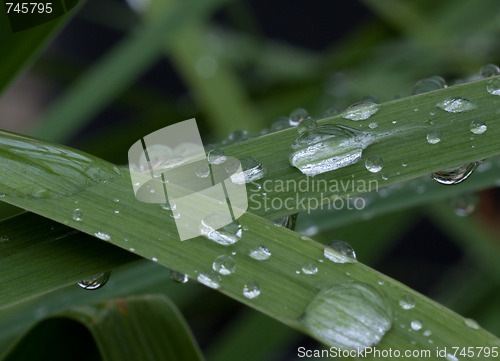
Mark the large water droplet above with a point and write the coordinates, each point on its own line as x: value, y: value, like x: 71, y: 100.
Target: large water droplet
x: 102, y: 235
x: 478, y: 127
x: 310, y: 268
x: 374, y: 163
x: 434, y: 136
x: 35, y: 168
x: 296, y: 116
x: 216, y: 156
x: 178, y: 277
x: 251, y: 290
x: 210, y: 279
x: 260, y: 253
x: 220, y: 228
x: 348, y: 316
x: 77, y: 215
x: 307, y: 123
x: 489, y: 70
x: 251, y: 170
x: 94, y: 282
x: 360, y: 111
x: 225, y: 265
x: 340, y: 252
x: 457, y: 105
x: 493, y: 86
x: 454, y: 175
x: 429, y: 84
x: 407, y: 302
x: 327, y: 148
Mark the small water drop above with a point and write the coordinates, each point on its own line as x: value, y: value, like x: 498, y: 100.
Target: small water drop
x: 216, y: 156
x: 251, y: 290
x: 349, y: 316
x: 154, y: 259
x: 306, y: 124
x: 178, y: 277
x: 287, y: 221
x: 427, y: 333
x: 469, y: 322
x: 373, y: 125
x: 374, y: 163
x: 94, y: 282
x: 78, y: 215
x: 225, y: 265
x: 340, y: 252
x: 210, y: 279
x: 407, y: 302
x: 220, y: 228
x: 251, y: 170
x: 433, y: 136
x: 260, y: 253
x: 429, y: 84
x: 360, y: 111
x: 132, y: 249
x: 310, y: 268
x: 478, y: 127
x: 489, y: 70
x: 203, y: 171
x: 457, y: 105
x: 493, y: 86
x: 103, y: 236
x: 331, y: 111
x: 454, y: 175
x: 296, y: 116
x: 464, y: 205
x: 450, y: 357
x: 416, y: 325
x: 327, y: 148
x: 280, y: 124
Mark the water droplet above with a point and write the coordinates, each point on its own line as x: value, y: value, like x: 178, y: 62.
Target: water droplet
x: 210, y: 279
x: 203, y: 171
x: 296, y: 116
x: 331, y: 111
x: 327, y: 148
x: 434, y: 136
x: 429, y: 84
x: 251, y: 170
x: 348, y: 316
x: 260, y: 253
x: 280, y: 124
x: 251, y: 290
x: 407, y: 302
x: 489, y: 70
x: 220, y: 228
x: 454, y: 175
x: 287, y: 221
x: 373, y: 125
x: 103, y: 236
x: 427, y: 333
x: 310, y: 268
x: 154, y: 259
x: 493, y: 86
x: 169, y: 206
x: 216, y: 156
x: 307, y: 123
x: 374, y: 163
x: 236, y: 137
x: 132, y: 249
x: 35, y: 168
x: 178, y: 277
x: 360, y: 111
x: 78, y: 215
x: 225, y: 265
x: 340, y: 252
x: 457, y: 105
x: 477, y: 127
x: 416, y: 325
x: 450, y: 357
x: 465, y: 204
x: 469, y: 322
x: 94, y: 282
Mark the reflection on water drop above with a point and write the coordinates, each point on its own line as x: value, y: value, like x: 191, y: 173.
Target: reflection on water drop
x: 454, y: 175
x: 348, y: 316
x: 434, y: 136
x: 374, y: 163
x: 78, y: 215
x: 220, y: 228
x: 296, y: 116
x: 210, y: 279
x: 178, y: 277
x: 360, y: 111
x: 251, y: 170
x: 94, y: 282
x: 35, y: 168
x: 260, y: 253
x: 216, y: 156
x: 493, y: 86
x: 477, y: 127
x: 340, y: 252
x: 225, y: 265
x: 457, y: 105
x: 407, y: 302
x: 416, y: 325
x: 310, y: 268
x: 251, y: 290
